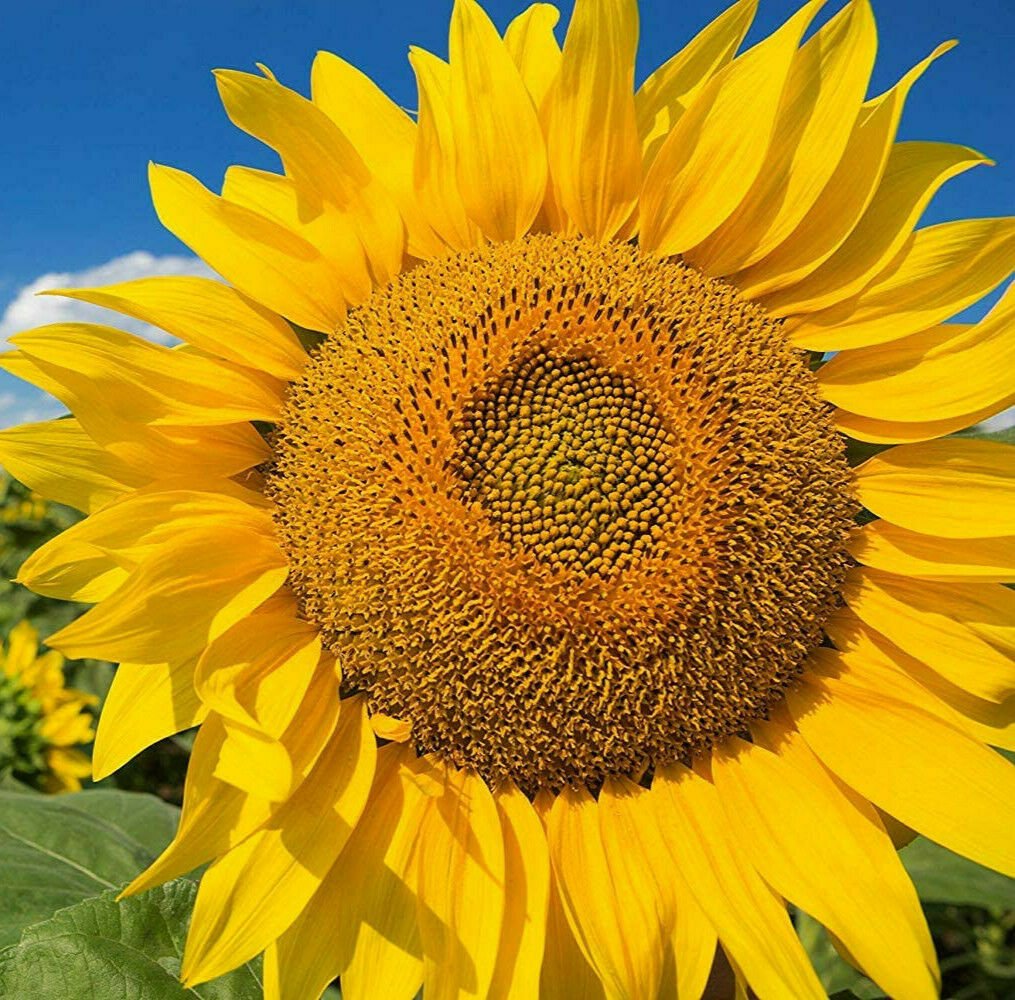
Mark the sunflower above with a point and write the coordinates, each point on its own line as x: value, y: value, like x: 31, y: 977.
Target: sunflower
x: 496, y: 522
x: 16, y: 507
x: 42, y: 722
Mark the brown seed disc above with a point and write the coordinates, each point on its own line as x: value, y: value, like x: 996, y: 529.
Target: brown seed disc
x: 565, y: 507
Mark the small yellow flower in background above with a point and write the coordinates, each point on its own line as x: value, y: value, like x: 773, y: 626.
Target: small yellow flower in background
x: 42, y: 722
x: 496, y: 532
x: 14, y: 508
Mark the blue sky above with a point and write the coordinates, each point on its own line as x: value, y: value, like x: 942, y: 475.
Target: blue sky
x: 93, y: 91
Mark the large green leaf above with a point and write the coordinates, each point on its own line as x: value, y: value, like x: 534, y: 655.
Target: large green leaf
x: 144, y: 818
x: 99, y: 949
x: 58, y: 850
x: 943, y: 877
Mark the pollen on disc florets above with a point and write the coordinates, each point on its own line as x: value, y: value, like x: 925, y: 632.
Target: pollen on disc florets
x: 566, y: 508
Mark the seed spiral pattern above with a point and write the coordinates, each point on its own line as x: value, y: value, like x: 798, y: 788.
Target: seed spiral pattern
x: 566, y: 508
x: 571, y: 461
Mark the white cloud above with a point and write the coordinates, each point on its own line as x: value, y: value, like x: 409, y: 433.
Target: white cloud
x: 21, y: 403
x: 29, y: 309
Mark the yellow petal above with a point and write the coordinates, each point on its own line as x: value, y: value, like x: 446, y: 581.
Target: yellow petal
x: 669, y: 91
x: 526, y: 898
x: 387, y: 727
x: 434, y: 166
x: 907, y: 757
x: 938, y: 272
x: 214, y: 819
x: 261, y: 258
x: 965, y: 631
x: 201, y: 585
x: 164, y: 452
x: 615, y: 922
x: 751, y: 920
x: 60, y: 462
x: 66, y: 726
x: 911, y: 432
x: 566, y: 973
x: 531, y: 44
x: 461, y: 888
x: 272, y: 766
x: 98, y: 367
x: 845, y: 197
x: 255, y: 763
x: 361, y: 922
x: 593, y: 145
x: 383, y: 134
x: 939, y: 374
x: 887, y: 547
x: 384, y: 970
x: 258, y: 671
x: 501, y: 159
x: 953, y: 488
x: 325, y: 166
x: 878, y: 664
x: 322, y: 226
x: 712, y: 156
x: 145, y: 704
x: 22, y: 649
x: 534, y: 48
x: 218, y: 815
x: 67, y: 767
x: 388, y: 958
x: 853, y: 883
x: 90, y: 560
x: 250, y: 896
x: 914, y: 173
x: 642, y: 881
x: 208, y: 315
x: 824, y: 92
x: 68, y: 570
x: 693, y: 947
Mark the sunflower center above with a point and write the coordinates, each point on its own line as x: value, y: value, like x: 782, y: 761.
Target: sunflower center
x: 569, y: 460
x: 566, y: 508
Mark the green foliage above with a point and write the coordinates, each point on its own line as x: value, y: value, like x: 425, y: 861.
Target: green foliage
x: 104, y: 950
x: 943, y: 877
x: 63, y: 861
x: 838, y: 977
x: 59, y: 850
x: 22, y: 748
x: 971, y: 914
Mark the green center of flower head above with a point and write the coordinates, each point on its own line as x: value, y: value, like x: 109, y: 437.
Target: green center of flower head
x: 564, y: 507
x: 571, y: 461
x: 22, y: 747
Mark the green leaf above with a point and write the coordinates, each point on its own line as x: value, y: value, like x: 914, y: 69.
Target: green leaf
x: 58, y: 850
x: 145, y: 818
x: 837, y: 976
x: 8, y: 783
x: 943, y: 877
x: 103, y: 950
